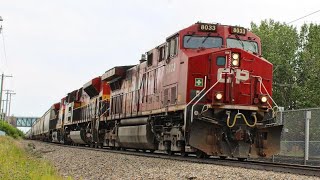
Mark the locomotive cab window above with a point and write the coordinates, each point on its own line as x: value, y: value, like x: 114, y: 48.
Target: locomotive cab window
x: 150, y: 58
x: 242, y: 44
x: 173, y: 47
x: 194, y: 42
x: 221, y: 61
x: 161, y: 53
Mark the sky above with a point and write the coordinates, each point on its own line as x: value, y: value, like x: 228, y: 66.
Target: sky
x: 54, y: 47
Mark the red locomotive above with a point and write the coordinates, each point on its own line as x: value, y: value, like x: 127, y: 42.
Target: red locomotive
x: 206, y: 90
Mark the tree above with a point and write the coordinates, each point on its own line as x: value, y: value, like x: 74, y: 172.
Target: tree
x: 279, y: 46
x: 296, y: 60
x: 308, y: 66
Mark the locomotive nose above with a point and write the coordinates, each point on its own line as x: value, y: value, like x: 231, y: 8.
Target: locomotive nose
x: 234, y: 85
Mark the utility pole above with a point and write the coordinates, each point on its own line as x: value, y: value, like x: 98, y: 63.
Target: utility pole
x: 1, y: 89
x: 7, y: 103
x: 3, y: 76
x: 2, y: 113
x: 10, y: 102
x: 2, y: 110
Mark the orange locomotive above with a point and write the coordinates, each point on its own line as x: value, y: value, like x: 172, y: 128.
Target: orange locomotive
x: 206, y: 90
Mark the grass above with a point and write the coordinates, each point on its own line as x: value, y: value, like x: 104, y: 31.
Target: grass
x: 10, y: 130
x: 16, y: 162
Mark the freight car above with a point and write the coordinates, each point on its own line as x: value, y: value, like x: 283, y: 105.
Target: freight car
x: 206, y: 90
x: 43, y: 127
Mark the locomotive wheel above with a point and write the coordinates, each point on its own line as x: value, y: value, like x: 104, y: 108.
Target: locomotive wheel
x: 223, y: 157
x: 201, y: 154
x: 184, y: 154
x: 170, y: 153
x: 242, y: 159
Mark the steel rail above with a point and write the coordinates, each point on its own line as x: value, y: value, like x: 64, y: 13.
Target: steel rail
x: 250, y: 164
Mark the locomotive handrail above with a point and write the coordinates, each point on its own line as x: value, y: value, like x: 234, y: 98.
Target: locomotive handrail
x: 203, y: 96
x: 262, y: 85
x: 185, y: 109
x: 268, y: 93
x: 154, y: 68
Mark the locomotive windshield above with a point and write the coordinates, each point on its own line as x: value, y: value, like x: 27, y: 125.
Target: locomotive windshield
x: 202, y: 41
x: 246, y: 45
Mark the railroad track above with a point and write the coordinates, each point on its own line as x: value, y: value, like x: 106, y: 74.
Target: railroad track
x: 250, y: 164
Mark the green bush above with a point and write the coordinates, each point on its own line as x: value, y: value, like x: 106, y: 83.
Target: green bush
x: 10, y: 130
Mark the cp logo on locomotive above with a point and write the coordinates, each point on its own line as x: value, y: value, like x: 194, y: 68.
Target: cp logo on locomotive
x: 241, y: 75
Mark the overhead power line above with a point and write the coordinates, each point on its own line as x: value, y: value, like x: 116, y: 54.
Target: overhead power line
x: 304, y: 16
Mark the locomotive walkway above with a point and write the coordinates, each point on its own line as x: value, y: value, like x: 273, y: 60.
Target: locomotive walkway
x: 214, y: 166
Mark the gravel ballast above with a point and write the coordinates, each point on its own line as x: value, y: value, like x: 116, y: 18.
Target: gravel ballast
x: 90, y: 164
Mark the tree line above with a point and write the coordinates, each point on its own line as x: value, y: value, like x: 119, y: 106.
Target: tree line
x: 295, y: 54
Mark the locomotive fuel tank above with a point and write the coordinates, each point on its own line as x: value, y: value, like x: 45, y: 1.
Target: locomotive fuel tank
x: 139, y: 137
x: 136, y: 134
x: 79, y: 137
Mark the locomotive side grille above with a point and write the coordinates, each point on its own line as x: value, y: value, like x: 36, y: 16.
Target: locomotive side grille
x: 166, y: 97
x: 173, y: 95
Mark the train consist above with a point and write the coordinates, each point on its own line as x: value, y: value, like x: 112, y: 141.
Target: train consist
x: 205, y: 90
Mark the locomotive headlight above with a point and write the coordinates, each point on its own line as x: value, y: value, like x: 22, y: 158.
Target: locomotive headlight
x: 264, y: 99
x: 235, y: 62
x: 219, y: 96
x: 235, y: 56
x: 235, y: 59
